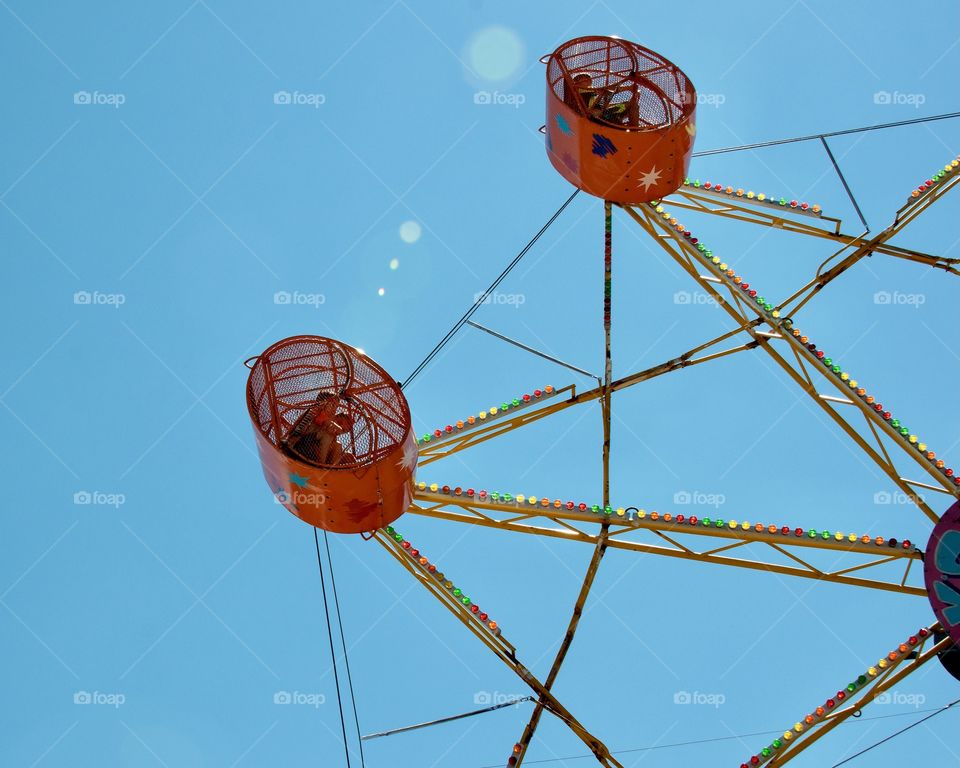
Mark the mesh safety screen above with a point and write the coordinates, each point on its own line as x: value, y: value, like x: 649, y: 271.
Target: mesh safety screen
x: 306, y: 380
x: 630, y: 86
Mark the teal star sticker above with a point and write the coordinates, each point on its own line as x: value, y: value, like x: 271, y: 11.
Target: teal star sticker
x: 564, y: 125
x: 298, y: 479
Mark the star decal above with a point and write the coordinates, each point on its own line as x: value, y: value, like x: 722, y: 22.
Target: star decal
x: 649, y: 178
x: 408, y: 460
x: 564, y: 125
x: 298, y: 480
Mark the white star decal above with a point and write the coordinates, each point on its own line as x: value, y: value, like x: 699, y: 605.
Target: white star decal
x: 410, y: 454
x: 650, y: 178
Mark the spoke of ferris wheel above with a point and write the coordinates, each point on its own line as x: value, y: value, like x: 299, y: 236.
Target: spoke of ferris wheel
x: 685, y: 537
x: 850, y: 700
x: 486, y: 630
x: 469, y: 433
x: 700, y: 203
x: 733, y: 204
x: 520, y: 750
x: 693, y: 258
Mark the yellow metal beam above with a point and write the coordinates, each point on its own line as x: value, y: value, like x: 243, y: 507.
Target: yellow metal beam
x: 503, y: 650
x: 906, y: 659
x: 520, y: 750
x: 434, y: 451
x: 694, y: 261
x: 683, y: 540
x: 738, y: 209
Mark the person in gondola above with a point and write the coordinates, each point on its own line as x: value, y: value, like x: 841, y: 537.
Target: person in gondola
x: 598, y: 101
x: 582, y: 87
x: 314, y: 435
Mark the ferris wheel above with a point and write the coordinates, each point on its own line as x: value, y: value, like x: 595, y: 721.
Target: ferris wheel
x: 336, y: 442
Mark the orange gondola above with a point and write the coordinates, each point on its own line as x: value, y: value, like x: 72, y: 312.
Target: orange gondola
x: 334, y: 434
x: 621, y: 119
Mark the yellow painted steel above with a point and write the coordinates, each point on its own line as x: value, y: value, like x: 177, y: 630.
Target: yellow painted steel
x: 584, y: 527
x: 688, y: 257
x: 700, y: 202
x: 601, y: 543
x: 799, y: 363
x: 883, y: 682
x: 503, y: 651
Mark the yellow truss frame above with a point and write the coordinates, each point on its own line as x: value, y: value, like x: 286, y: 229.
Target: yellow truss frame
x: 757, y: 331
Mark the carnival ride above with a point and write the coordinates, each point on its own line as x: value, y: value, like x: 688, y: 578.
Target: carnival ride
x: 621, y: 122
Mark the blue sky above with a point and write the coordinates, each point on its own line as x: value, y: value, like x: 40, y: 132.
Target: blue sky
x: 149, y: 164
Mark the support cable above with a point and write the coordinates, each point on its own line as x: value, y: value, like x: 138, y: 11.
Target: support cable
x: 812, y: 137
x: 343, y: 640
x: 333, y: 656
x: 438, y: 721
x: 483, y: 297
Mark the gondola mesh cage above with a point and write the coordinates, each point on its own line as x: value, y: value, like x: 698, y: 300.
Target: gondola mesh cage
x: 626, y: 73
x: 290, y: 379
